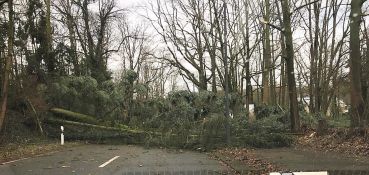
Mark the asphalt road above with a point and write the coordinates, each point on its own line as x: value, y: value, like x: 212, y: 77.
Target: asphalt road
x: 115, y: 160
x: 307, y: 160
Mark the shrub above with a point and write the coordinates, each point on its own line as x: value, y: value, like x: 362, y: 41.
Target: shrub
x: 263, y: 140
x: 342, y: 121
x: 267, y: 132
x: 177, y: 118
x: 270, y: 124
x: 213, y: 130
x: 308, y: 120
x: 263, y: 111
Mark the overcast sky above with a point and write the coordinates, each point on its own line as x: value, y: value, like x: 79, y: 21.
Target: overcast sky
x: 130, y: 3
x: 135, y: 9
x: 115, y: 63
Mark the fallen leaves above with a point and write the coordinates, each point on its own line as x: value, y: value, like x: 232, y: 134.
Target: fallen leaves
x: 247, y: 157
x: 336, y: 140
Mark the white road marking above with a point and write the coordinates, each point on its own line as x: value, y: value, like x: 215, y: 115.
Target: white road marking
x: 14, y: 161
x: 303, y: 173
x: 109, y: 161
x: 4, y: 163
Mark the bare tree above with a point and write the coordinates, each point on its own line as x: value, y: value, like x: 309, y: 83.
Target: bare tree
x: 183, y: 37
x: 96, y: 31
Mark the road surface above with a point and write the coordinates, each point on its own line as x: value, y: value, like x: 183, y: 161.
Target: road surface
x: 115, y: 160
x: 135, y: 160
x: 306, y: 160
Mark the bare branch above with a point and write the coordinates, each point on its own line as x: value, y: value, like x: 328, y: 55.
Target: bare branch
x: 3, y: 2
x: 270, y: 24
x: 301, y: 7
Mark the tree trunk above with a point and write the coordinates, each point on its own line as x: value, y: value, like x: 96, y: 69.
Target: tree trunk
x: 272, y: 70
x: 50, y: 60
x: 366, y: 90
x: 2, y: 61
x: 357, y: 102
x: 365, y: 77
x: 74, y: 116
x: 91, y: 62
x: 247, y: 62
x: 72, y: 40
x: 283, y: 95
x: 266, y: 56
x: 313, y: 54
x: 213, y: 78
x: 226, y: 76
x: 8, y: 62
x: 294, y: 113
x: 67, y: 122
x: 36, y: 116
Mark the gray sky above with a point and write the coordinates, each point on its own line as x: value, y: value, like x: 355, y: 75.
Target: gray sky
x: 134, y: 13
x: 115, y: 62
x: 130, y: 3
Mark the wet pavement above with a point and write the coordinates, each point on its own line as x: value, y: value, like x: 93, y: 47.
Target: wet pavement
x: 115, y: 160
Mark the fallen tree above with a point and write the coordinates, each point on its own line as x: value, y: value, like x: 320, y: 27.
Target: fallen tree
x: 81, y: 126
x: 93, y: 133
x: 73, y: 116
x: 59, y: 121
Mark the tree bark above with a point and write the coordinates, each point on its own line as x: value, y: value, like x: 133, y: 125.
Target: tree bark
x: 313, y: 55
x: 357, y: 102
x: 37, y: 119
x: 72, y: 40
x: 75, y: 116
x: 365, y: 77
x: 50, y: 59
x: 247, y: 62
x: 67, y: 122
x: 91, y: 63
x: 266, y: 56
x: 8, y: 62
x: 294, y: 113
x: 226, y: 77
x: 283, y: 95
